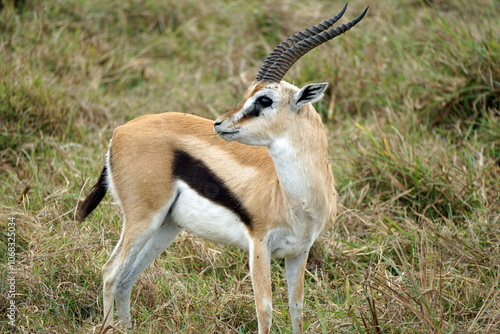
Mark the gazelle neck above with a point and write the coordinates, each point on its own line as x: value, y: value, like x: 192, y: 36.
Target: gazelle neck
x: 302, y: 168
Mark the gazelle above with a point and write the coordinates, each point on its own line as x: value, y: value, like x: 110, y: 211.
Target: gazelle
x: 261, y: 181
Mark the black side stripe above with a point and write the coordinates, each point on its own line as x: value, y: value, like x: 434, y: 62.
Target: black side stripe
x: 207, y: 184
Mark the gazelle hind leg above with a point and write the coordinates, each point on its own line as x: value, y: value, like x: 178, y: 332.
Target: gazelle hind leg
x: 123, y: 272
x: 108, y: 281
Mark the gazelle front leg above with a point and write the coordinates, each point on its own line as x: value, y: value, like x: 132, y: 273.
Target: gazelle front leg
x: 295, y: 268
x: 260, y: 269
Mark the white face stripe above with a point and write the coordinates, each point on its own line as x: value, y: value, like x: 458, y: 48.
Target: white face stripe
x: 270, y: 93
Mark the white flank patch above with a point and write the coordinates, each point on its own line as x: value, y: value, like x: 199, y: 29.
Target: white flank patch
x: 204, y: 218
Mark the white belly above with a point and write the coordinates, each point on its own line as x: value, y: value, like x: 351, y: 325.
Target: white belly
x: 204, y: 218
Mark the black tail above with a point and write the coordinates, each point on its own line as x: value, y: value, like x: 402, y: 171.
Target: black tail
x: 95, y: 197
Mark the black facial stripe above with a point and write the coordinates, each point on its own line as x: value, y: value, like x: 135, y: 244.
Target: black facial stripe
x: 207, y: 184
x: 259, y: 104
x: 254, y: 112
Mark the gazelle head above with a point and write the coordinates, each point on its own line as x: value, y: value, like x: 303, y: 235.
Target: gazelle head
x: 271, y: 107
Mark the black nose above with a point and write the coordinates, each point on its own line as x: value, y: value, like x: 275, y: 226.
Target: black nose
x: 217, y: 123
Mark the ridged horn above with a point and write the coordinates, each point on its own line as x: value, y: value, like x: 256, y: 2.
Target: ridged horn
x: 284, y: 61
x: 286, y: 44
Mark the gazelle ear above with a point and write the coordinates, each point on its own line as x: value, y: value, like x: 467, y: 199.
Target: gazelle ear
x: 308, y: 94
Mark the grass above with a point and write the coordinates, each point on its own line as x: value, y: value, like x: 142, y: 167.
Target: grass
x: 413, y: 120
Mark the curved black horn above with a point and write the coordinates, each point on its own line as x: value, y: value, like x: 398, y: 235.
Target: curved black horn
x: 286, y: 44
x: 288, y: 57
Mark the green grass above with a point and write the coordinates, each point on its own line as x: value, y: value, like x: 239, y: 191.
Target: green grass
x: 413, y: 120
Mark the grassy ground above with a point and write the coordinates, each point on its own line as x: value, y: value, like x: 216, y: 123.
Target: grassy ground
x: 414, y: 127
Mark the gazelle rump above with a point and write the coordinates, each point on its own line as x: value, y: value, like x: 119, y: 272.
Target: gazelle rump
x: 261, y: 181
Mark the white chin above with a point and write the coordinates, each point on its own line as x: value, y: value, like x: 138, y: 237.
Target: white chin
x: 227, y: 136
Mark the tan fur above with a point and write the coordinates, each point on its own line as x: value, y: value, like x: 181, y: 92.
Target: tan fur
x: 142, y: 175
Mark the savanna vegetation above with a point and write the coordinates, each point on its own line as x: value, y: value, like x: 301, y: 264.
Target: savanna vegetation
x: 413, y: 120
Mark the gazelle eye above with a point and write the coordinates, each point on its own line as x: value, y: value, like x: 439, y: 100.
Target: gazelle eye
x: 264, y: 101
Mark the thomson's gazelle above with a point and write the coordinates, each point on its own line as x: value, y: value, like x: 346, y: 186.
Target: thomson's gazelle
x: 263, y: 183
